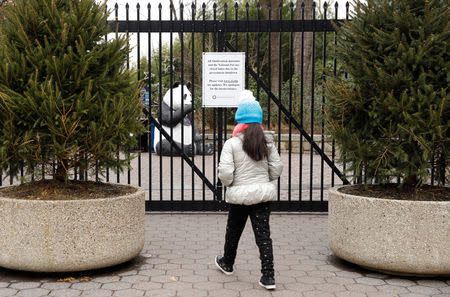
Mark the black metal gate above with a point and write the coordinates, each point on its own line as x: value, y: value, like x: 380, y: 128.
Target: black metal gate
x: 171, y: 186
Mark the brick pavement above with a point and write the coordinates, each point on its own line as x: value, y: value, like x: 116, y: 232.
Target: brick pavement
x: 178, y: 260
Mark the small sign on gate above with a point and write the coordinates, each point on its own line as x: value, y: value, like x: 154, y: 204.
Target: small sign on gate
x: 223, y: 78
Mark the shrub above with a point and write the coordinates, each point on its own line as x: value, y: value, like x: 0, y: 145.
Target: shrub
x: 65, y: 96
x: 391, y: 116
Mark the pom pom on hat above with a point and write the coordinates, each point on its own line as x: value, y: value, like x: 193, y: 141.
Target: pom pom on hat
x: 249, y: 110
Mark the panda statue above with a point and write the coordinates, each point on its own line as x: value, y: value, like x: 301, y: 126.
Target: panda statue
x: 179, y: 120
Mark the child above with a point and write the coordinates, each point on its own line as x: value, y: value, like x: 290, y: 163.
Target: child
x: 248, y: 163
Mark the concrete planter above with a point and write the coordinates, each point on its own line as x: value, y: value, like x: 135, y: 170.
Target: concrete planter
x: 393, y: 236
x: 71, y: 235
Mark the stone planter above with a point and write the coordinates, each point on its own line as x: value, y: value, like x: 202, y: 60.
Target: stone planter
x: 71, y: 235
x: 393, y: 236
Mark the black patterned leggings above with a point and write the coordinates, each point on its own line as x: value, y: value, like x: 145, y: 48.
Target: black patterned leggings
x: 259, y: 216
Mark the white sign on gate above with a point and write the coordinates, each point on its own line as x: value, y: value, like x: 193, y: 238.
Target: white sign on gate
x: 223, y: 78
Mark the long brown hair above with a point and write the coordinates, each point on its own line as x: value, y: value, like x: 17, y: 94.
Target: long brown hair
x: 254, y: 143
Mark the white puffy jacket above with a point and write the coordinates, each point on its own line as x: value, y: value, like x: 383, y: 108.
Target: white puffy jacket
x: 249, y: 181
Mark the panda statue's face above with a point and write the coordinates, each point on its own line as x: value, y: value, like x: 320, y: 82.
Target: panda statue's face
x: 180, y: 95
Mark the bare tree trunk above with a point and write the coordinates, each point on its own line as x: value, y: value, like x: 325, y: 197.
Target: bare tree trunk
x: 275, y: 75
x: 307, y: 45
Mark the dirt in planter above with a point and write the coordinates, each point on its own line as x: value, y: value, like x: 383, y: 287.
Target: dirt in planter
x: 396, y: 192
x: 72, y: 190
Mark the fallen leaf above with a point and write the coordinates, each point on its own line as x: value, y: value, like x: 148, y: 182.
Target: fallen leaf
x: 147, y: 255
x: 173, y: 278
x: 85, y: 279
x: 67, y: 279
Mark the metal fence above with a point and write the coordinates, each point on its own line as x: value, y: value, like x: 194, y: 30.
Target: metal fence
x: 190, y: 182
x: 292, y: 106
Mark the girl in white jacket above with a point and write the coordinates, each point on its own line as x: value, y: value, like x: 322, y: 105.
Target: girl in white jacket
x: 248, y: 163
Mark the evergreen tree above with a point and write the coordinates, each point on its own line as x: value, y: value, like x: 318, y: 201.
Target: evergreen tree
x: 65, y: 96
x: 391, y: 116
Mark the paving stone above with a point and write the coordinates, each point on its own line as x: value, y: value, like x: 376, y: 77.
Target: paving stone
x: 311, y: 280
x: 86, y: 286
x: 223, y: 293
x: 7, y: 292
x: 432, y: 283
x: 25, y: 285
x: 317, y: 293
x: 161, y: 293
x: 97, y: 293
x: 208, y: 285
x: 285, y: 293
x: 129, y: 293
x: 35, y: 292
x: 350, y: 294
x: 370, y: 281
x: 177, y: 285
x: 56, y: 286
x: 260, y: 292
x: 146, y: 286
x: 400, y: 282
x: 361, y: 288
x: 193, y: 278
x: 392, y: 289
x: 423, y: 290
x: 152, y: 272
x: 65, y: 293
x: 330, y: 287
x: 191, y: 293
x: 298, y: 287
x: 4, y: 284
x: 116, y: 286
x: 238, y: 285
x: 135, y: 278
x: 413, y: 295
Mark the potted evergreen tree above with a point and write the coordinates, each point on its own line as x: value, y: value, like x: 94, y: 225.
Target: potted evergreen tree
x: 390, y: 118
x: 66, y: 101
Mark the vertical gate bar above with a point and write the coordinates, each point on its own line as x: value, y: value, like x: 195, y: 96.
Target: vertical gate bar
x: 127, y: 10
x: 107, y: 167
x: 258, y: 47
x: 333, y: 144
x: 214, y: 110
x: 138, y: 8
x: 21, y: 172
x: 96, y: 162
x: 236, y: 17
x: 291, y: 73
x: 11, y: 177
x: 160, y: 98
x: 280, y: 78
x: 193, y: 91
x: 347, y: 6
x: 182, y: 96
x: 312, y: 103
x: 118, y: 144
x: 225, y: 7
x: 302, y: 50
x: 324, y: 57
x: 32, y: 174
x: 1, y: 177
x: 269, y: 102
x: 171, y: 8
x: 203, y: 109
x: 246, y: 43
x: 432, y: 167
x: 150, y: 134
x: 43, y: 172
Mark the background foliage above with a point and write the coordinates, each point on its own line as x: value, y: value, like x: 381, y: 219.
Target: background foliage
x: 390, y: 116
x: 65, y: 95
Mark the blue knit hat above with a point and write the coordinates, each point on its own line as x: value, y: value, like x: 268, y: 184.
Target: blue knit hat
x: 249, y: 110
